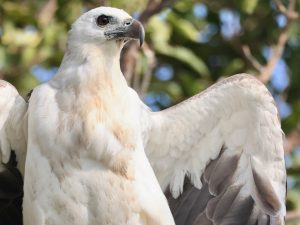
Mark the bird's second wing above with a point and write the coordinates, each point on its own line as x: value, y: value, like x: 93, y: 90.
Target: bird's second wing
x: 219, y: 155
x: 13, y: 124
x: 13, y: 129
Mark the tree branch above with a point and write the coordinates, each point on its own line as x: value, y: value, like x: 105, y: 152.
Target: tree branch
x: 153, y: 7
x: 103, y: 2
x: 148, y: 74
x: 254, y: 62
x: 276, y: 53
x: 128, y: 61
x: 130, y: 52
x: 46, y: 13
x: 292, y: 215
x: 141, y: 82
x: 265, y: 72
x: 290, y: 12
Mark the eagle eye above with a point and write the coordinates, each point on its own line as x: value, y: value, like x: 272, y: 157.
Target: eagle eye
x: 102, y: 20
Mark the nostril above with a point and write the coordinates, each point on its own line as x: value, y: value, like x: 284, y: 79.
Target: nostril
x: 128, y: 22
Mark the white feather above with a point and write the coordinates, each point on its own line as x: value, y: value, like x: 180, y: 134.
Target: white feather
x: 13, y: 124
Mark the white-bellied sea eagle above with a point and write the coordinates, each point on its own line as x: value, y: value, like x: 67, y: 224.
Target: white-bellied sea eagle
x: 97, y: 155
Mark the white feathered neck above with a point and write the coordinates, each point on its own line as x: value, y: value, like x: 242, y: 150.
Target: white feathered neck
x: 91, y: 65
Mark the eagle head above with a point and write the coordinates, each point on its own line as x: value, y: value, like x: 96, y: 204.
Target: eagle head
x: 106, y: 26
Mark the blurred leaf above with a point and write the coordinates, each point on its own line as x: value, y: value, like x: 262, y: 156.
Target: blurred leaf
x: 183, y: 27
x: 190, y: 85
x: 19, y: 37
x: 28, y: 56
x: 293, y: 199
x: 2, y: 57
x: 184, y: 6
x: 248, y: 6
x: 53, y: 32
x: 15, y: 10
x: 233, y: 67
x: 159, y: 31
x: 186, y: 56
x: 24, y: 83
x: 130, y: 6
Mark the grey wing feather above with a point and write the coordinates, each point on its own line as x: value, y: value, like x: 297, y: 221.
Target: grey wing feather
x: 223, y: 203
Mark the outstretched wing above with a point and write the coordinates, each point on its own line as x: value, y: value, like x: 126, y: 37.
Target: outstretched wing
x: 13, y: 135
x: 219, y: 155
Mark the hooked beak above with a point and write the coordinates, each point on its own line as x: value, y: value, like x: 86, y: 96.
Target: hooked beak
x: 131, y: 29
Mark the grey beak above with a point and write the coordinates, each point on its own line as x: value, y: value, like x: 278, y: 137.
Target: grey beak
x: 131, y: 29
x: 136, y: 31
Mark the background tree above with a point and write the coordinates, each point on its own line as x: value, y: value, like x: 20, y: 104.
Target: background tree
x: 189, y: 46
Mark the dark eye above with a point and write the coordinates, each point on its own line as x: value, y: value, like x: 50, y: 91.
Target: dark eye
x: 102, y: 20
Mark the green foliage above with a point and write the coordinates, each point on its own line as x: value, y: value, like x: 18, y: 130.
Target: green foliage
x: 247, y: 6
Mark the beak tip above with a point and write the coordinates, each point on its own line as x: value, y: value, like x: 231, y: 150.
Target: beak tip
x: 141, y: 41
x: 142, y: 35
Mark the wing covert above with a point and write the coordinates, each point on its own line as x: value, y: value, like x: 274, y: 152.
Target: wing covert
x: 220, y: 151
